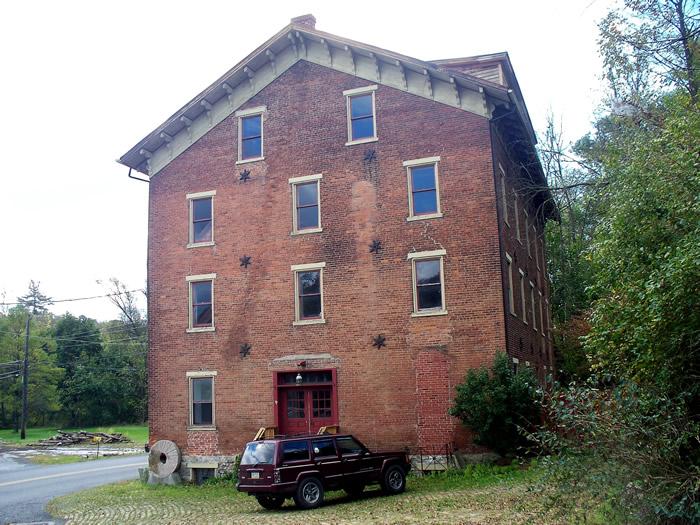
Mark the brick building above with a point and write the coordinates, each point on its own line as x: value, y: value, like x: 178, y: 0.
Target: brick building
x: 337, y: 233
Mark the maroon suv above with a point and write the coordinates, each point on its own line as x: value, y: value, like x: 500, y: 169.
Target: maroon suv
x: 305, y: 467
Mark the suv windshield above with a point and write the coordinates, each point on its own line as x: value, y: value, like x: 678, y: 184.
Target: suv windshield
x: 257, y: 452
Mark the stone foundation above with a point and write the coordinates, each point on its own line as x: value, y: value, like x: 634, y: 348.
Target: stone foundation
x: 222, y: 465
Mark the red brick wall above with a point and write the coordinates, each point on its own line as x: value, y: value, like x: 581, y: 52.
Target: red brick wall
x: 524, y: 342
x: 364, y: 294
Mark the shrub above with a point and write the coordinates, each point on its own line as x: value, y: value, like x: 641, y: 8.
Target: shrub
x: 495, y: 404
x: 628, y: 453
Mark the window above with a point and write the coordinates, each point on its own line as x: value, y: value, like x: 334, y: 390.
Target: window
x: 201, y: 231
x: 509, y: 281
x: 534, y: 240
x: 532, y: 306
x: 323, y: 447
x: 250, y: 134
x: 308, y: 288
x: 423, y: 188
x: 516, y: 214
x: 258, y: 452
x: 306, y: 209
x: 201, y: 386
x: 321, y: 401
x: 348, y: 445
x: 201, y: 302
x: 516, y: 363
x: 527, y: 233
x: 295, y: 450
x: 541, y: 317
x: 549, y: 317
x: 504, y: 194
x: 428, y: 283
x: 523, y: 303
x: 201, y: 475
x: 361, y: 112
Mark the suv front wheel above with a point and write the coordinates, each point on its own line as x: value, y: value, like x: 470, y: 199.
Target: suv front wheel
x: 394, y: 480
x: 309, y: 494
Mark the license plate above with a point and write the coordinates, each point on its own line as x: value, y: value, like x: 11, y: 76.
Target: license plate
x: 255, y: 475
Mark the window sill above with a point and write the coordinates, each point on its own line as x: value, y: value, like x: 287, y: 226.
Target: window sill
x: 200, y: 244
x: 246, y: 161
x: 429, y: 313
x: 422, y: 217
x: 514, y: 314
x: 205, y: 428
x: 200, y: 329
x: 505, y: 221
x: 308, y: 321
x: 362, y: 141
x: 303, y: 232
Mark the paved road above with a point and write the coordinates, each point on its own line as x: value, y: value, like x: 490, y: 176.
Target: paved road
x: 26, y: 489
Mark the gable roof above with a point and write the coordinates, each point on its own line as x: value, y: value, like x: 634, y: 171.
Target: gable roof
x: 301, y: 41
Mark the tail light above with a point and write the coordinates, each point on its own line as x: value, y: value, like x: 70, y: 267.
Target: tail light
x: 276, y: 478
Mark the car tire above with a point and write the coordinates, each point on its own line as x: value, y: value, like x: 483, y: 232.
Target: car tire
x: 394, y: 480
x: 309, y: 494
x: 270, y: 501
x: 354, y: 491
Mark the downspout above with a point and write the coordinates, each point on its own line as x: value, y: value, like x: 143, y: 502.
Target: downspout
x: 147, y: 181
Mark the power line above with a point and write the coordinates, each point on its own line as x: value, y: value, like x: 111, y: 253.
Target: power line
x: 86, y: 341
x: 10, y: 363
x: 53, y: 301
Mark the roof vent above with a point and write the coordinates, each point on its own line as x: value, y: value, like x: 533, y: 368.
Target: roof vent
x: 305, y: 20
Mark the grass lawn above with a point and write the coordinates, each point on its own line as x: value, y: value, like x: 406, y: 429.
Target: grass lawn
x: 478, y: 495
x: 137, y: 433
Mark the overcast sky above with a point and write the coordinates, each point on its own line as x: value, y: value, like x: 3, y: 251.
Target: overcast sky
x: 82, y: 82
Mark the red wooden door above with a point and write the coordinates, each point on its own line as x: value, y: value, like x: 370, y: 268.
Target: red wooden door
x: 305, y: 409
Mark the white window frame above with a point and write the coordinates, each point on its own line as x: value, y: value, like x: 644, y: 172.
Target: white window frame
x: 504, y: 194
x: 516, y: 213
x: 195, y: 279
x: 296, y: 269
x: 511, y: 295
x: 532, y: 303
x: 418, y: 256
x: 523, y: 301
x: 251, y: 112
x: 294, y: 182
x: 348, y: 94
x: 201, y: 374
x: 419, y: 163
x: 190, y: 204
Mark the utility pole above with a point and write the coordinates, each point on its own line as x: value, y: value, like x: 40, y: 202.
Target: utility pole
x: 25, y: 380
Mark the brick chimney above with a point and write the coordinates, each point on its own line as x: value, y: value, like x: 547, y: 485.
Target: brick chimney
x: 305, y: 20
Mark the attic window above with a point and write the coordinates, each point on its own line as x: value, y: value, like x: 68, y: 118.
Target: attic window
x: 250, y: 134
x: 361, y: 110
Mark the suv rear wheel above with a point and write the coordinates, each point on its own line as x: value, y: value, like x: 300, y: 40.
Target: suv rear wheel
x: 394, y: 480
x: 309, y: 494
x: 270, y: 501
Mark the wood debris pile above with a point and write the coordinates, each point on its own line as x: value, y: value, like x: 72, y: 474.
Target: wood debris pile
x: 76, y: 438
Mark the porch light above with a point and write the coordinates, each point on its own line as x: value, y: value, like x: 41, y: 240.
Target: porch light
x: 298, y: 378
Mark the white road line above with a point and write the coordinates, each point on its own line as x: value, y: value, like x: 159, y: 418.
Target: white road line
x: 77, y: 472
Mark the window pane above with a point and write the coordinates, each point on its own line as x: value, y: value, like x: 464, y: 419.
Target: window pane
x: 202, y: 231
x: 252, y: 126
x: 310, y: 306
x: 429, y: 296
x: 201, y: 389
x: 324, y: 447
x: 201, y: 292
x: 201, y: 414
x: 362, y: 128
x: 423, y: 177
x: 295, y: 404
x: 257, y: 452
x: 252, y: 148
x: 201, y: 209
x: 295, y: 450
x: 307, y: 217
x: 425, y: 202
x: 202, y: 315
x: 428, y: 272
x: 347, y: 445
x: 361, y: 106
x: 309, y: 282
x: 321, y: 403
x: 307, y: 194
